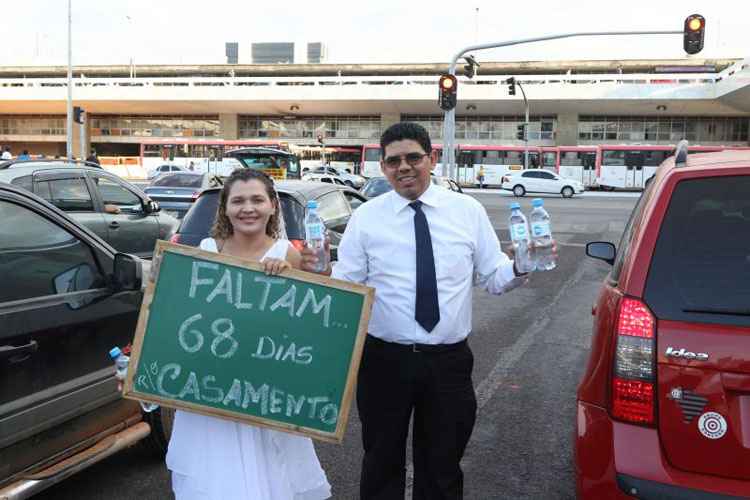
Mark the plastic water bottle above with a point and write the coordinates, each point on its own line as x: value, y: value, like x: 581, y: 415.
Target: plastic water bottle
x: 121, y: 365
x: 121, y: 371
x: 315, y: 235
x: 519, y: 236
x: 541, y: 235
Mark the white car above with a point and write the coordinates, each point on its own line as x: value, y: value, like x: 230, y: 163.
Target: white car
x: 164, y: 169
x: 352, y: 180
x: 328, y: 179
x: 540, y: 181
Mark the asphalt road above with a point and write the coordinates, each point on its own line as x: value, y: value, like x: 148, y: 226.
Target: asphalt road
x: 530, y: 348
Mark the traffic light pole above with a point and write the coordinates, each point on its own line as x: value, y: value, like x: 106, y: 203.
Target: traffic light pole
x: 525, y: 129
x: 69, y: 127
x: 449, y: 119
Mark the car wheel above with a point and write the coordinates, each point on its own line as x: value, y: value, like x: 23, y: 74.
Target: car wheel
x: 567, y: 192
x: 519, y: 190
x: 161, y: 421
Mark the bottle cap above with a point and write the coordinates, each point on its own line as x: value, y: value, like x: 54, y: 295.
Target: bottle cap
x: 514, y: 205
x: 312, y: 204
x: 537, y: 202
x: 115, y: 352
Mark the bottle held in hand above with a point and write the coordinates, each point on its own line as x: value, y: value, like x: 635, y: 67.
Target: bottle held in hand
x: 315, y: 235
x: 541, y: 236
x: 519, y: 236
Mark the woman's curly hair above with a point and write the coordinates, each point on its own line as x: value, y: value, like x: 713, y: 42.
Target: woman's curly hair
x: 222, y: 228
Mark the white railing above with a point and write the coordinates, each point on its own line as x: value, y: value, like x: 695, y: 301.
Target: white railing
x: 362, y: 81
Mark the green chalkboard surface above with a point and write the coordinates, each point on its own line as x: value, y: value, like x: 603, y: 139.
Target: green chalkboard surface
x: 218, y: 336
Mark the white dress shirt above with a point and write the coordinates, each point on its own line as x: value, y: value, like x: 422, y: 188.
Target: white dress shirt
x: 379, y: 250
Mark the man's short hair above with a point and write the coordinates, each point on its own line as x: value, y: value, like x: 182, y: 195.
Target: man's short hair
x: 406, y: 130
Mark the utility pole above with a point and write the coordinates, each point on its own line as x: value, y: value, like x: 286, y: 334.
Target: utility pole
x: 69, y: 127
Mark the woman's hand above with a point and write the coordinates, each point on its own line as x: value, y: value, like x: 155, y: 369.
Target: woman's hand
x: 275, y: 266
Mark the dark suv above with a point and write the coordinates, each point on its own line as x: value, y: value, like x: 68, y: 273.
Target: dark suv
x: 664, y: 405
x: 335, y: 206
x: 67, y: 298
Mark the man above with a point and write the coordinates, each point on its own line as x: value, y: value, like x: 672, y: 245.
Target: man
x: 6, y: 153
x: 93, y: 158
x: 421, y: 247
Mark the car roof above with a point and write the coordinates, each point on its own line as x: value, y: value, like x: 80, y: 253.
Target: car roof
x: 19, y: 171
x: 49, y: 163
x: 258, y: 149
x: 301, y: 190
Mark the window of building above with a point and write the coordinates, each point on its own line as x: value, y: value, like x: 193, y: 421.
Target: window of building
x: 309, y: 127
x: 489, y: 128
x: 155, y: 126
x: 663, y: 129
x: 32, y: 125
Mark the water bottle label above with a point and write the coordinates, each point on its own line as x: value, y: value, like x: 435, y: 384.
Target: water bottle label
x: 315, y: 232
x: 518, y: 232
x: 540, y: 229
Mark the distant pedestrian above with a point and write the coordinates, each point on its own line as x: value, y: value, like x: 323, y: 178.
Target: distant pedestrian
x: 480, y: 177
x: 6, y: 153
x: 192, y: 166
x: 24, y: 155
x: 93, y: 158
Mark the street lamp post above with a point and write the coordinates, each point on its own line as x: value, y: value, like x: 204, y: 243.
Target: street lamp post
x: 69, y: 126
x: 525, y: 129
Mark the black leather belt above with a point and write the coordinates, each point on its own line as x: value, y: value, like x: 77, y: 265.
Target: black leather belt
x: 375, y: 342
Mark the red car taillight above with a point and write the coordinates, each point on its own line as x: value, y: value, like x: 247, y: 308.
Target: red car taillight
x: 175, y: 238
x: 634, y: 378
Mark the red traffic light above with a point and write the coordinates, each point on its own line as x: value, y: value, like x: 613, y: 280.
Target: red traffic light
x: 447, y: 95
x: 693, y: 33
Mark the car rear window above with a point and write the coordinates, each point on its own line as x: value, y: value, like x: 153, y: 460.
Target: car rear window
x: 376, y: 188
x: 200, y: 218
x: 701, y: 266
x: 180, y: 180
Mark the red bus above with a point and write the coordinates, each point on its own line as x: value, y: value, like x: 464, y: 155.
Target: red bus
x: 370, y: 165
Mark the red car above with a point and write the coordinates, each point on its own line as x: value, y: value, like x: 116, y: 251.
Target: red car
x: 664, y: 406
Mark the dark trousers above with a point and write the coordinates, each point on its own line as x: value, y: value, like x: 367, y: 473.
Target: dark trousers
x: 394, y: 380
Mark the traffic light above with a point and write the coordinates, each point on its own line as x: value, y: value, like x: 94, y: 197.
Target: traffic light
x: 521, y: 133
x: 78, y: 114
x: 470, y: 69
x: 511, y: 85
x: 695, y: 27
x: 448, y: 88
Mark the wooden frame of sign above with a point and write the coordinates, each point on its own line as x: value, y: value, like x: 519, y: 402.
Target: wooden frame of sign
x: 140, y: 377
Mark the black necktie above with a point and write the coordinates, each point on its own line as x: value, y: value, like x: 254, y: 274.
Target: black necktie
x: 426, y: 311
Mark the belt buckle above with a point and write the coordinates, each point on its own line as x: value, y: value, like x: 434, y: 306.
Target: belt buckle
x: 414, y: 348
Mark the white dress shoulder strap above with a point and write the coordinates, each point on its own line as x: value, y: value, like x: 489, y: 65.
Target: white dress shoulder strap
x: 278, y: 250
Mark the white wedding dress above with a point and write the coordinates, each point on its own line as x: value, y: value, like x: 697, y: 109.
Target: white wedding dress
x: 217, y: 459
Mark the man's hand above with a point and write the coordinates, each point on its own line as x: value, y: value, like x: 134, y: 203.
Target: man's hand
x: 310, y: 259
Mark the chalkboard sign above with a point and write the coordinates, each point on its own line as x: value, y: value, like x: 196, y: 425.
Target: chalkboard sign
x: 218, y: 336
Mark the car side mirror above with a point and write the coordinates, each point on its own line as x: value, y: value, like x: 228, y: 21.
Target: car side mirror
x: 127, y: 273
x: 152, y: 207
x: 602, y: 250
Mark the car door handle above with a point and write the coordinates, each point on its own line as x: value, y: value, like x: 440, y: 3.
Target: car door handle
x: 16, y: 354
x: 114, y: 224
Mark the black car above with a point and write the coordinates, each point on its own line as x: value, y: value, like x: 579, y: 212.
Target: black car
x: 118, y: 212
x: 335, y: 207
x: 176, y: 192
x: 67, y: 298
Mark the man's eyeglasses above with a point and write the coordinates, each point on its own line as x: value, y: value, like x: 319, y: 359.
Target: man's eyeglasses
x: 412, y: 159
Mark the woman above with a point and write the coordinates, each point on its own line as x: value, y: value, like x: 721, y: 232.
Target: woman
x: 216, y: 459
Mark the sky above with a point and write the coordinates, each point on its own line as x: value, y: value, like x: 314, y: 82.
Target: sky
x: 356, y: 31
